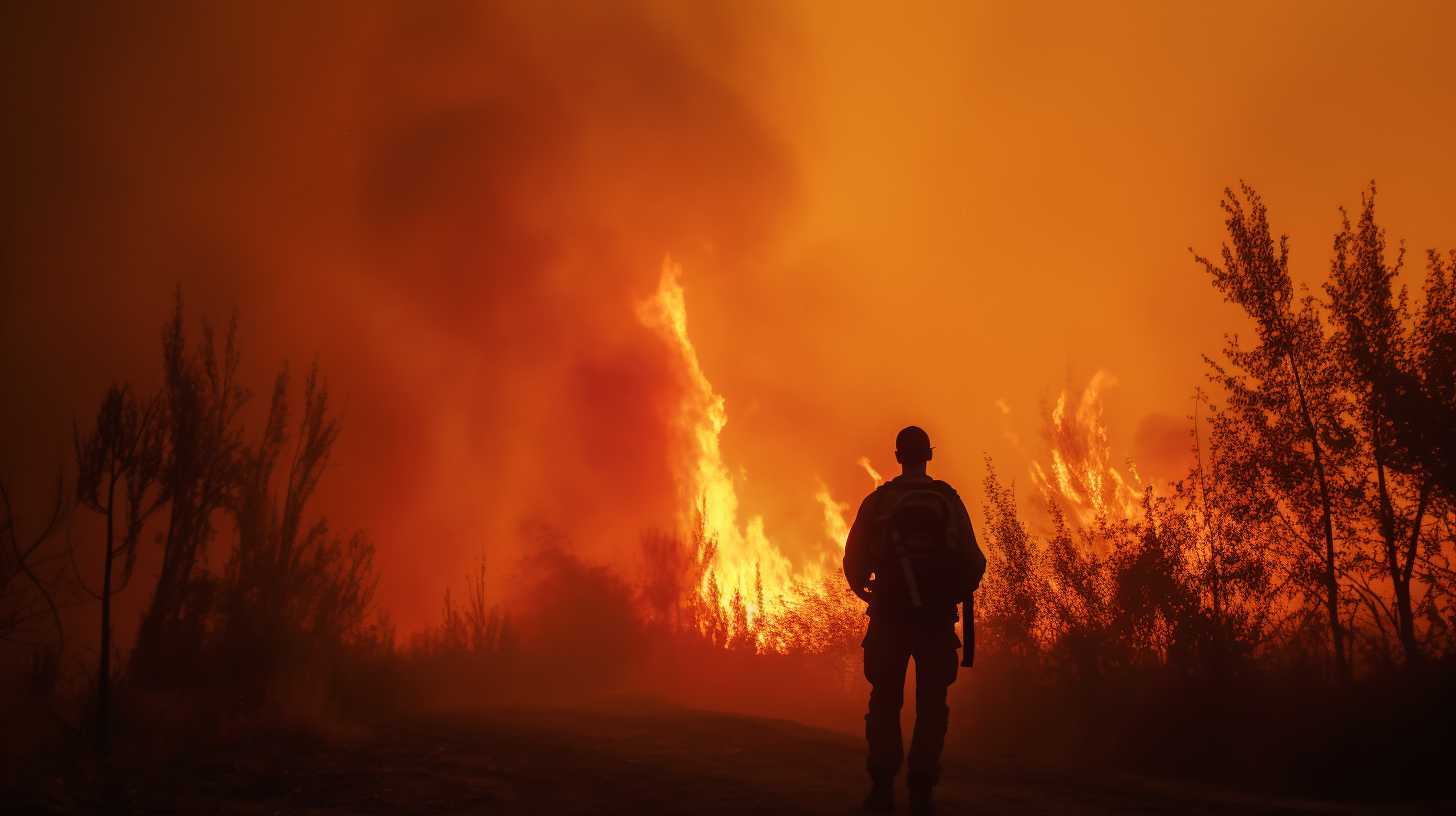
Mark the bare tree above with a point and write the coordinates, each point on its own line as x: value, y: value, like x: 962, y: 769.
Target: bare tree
x: 201, y: 475
x: 482, y: 622
x: 123, y: 451
x: 289, y: 586
x: 26, y: 597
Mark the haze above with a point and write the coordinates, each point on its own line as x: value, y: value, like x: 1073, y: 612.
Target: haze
x: 882, y: 218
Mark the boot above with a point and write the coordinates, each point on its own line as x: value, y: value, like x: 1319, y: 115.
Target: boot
x: 881, y: 798
x: 920, y: 801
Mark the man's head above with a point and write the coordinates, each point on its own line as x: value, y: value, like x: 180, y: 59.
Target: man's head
x: 912, y: 447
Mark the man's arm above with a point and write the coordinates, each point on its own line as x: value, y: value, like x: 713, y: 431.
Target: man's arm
x: 858, y: 559
x: 976, y: 569
x: 977, y: 559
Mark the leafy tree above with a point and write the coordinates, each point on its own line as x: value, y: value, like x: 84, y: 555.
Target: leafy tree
x: 1284, y: 436
x: 1234, y: 563
x: 1154, y: 596
x: 1011, y: 597
x: 1425, y: 418
x: 1412, y: 382
x: 1424, y: 423
x: 1079, y: 601
x: 1377, y: 351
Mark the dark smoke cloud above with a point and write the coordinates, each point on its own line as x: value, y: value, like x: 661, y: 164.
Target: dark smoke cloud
x: 455, y: 206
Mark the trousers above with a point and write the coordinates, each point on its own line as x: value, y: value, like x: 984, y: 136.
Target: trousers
x: 889, y: 645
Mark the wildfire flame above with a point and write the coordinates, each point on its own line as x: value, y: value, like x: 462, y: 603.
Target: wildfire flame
x: 869, y: 469
x: 1080, y: 475
x: 746, y: 564
x: 751, y: 583
x: 836, y: 529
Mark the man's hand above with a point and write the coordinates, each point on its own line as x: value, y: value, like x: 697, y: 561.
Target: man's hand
x: 968, y: 631
x: 866, y: 591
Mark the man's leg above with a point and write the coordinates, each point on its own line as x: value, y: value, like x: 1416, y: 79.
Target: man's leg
x: 935, y: 670
x: 886, y: 657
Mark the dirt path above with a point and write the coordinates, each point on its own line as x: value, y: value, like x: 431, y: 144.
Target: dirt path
x: 646, y: 762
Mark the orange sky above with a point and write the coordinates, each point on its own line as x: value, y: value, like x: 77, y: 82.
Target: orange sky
x: 1000, y: 197
x: 882, y: 218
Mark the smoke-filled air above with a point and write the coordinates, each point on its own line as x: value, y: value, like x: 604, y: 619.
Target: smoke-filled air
x: 508, y: 407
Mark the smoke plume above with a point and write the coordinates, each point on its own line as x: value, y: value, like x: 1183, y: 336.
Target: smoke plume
x: 455, y: 206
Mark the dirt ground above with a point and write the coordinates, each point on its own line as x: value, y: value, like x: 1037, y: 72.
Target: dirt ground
x: 647, y: 761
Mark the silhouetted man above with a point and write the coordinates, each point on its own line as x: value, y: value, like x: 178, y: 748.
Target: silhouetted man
x: 912, y: 555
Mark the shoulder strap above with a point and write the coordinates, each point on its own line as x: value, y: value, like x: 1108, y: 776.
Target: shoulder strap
x: 947, y: 495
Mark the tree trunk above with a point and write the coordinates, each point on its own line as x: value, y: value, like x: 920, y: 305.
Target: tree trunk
x: 1331, y: 579
x: 1400, y: 585
x: 1402, y: 579
x: 103, y: 678
x: 1332, y: 583
x: 155, y: 640
x: 146, y: 652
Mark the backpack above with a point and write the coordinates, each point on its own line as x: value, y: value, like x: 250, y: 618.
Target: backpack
x: 921, y: 565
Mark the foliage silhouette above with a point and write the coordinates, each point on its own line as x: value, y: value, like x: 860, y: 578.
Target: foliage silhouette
x: 1285, y: 432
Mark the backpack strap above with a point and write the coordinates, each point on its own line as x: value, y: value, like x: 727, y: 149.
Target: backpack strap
x: 952, y: 515
x: 948, y: 496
